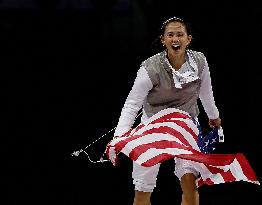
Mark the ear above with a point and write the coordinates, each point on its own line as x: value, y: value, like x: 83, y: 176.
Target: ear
x: 189, y: 39
x: 162, y: 39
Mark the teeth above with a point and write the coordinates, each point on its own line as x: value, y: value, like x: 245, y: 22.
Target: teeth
x: 175, y: 46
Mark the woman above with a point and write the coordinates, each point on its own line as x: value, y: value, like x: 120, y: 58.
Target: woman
x: 175, y: 77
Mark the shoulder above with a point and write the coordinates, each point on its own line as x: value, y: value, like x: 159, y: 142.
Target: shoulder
x: 152, y: 61
x: 197, y: 54
x: 152, y: 65
x: 199, y: 59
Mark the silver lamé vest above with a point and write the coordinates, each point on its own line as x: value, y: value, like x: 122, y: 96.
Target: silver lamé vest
x: 164, y: 94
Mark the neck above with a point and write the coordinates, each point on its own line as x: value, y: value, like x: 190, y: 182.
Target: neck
x: 176, y: 61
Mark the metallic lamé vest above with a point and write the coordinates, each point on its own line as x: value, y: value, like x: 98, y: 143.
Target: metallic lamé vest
x: 164, y: 94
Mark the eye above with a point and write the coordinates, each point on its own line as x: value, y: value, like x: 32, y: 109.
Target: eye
x: 169, y: 35
x: 180, y: 34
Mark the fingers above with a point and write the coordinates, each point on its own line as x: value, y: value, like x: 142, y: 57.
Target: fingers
x: 215, y: 122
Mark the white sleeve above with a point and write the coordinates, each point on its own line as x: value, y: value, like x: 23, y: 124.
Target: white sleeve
x: 206, y: 94
x: 142, y: 85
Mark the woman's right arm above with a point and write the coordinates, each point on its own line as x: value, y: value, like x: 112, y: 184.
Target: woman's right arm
x: 142, y: 85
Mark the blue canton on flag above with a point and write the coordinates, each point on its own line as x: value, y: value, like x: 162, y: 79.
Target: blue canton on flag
x: 208, y: 143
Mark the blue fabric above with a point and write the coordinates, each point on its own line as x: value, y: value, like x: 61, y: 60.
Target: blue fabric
x: 207, y: 143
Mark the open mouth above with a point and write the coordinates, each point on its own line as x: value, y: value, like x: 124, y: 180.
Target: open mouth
x: 176, y: 47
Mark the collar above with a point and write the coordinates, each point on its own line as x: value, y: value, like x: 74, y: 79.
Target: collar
x: 185, y: 77
x: 189, y: 58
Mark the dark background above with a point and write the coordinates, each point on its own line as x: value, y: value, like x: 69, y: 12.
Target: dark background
x: 67, y: 67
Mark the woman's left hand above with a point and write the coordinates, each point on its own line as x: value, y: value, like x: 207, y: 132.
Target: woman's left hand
x: 215, y: 122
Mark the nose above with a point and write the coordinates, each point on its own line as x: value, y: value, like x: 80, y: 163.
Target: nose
x: 176, y: 39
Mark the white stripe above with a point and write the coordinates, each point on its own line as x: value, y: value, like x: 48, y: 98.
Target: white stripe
x: 225, y: 168
x: 189, y: 123
x: 206, y: 174
x: 237, y: 171
x: 217, y: 178
x: 153, y: 152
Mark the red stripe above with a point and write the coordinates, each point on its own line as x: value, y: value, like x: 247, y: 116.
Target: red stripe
x: 132, y: 130
x: 186, y: 127
x: 164, y: 144
x: 200, y: 182
x: 126, y: 133
x: 228, y: 176
x: 157, y: 159
x: 210, y: 159
x: 214, y: 170
x: 170, y: 131
x: 208, y: 181
x: 123, y: 142
x: 246, y: 168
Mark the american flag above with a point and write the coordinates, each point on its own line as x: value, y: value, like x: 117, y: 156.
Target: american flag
x: 172, y: 133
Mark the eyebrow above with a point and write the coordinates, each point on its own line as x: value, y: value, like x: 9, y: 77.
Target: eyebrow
x: 175, y: 32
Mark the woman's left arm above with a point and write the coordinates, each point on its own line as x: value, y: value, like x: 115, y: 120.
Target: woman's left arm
x: 207, y: 98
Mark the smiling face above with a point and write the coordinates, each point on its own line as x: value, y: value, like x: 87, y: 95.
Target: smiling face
x: 175, y: 38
